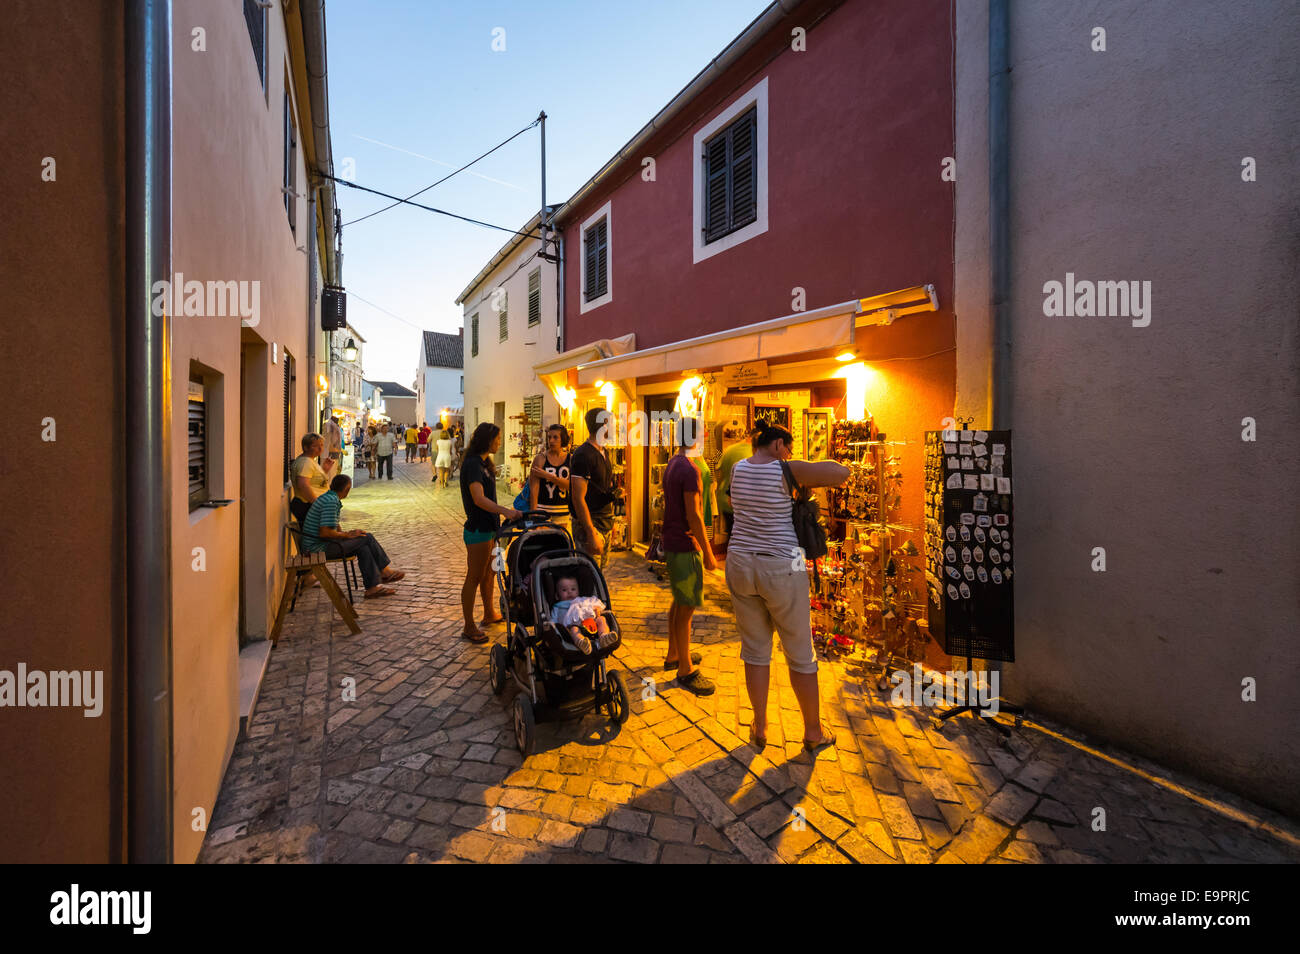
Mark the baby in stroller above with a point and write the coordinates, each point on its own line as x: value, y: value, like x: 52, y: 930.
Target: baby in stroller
x: 578, y: 614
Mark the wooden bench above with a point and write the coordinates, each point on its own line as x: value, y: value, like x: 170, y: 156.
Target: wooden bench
x: 299, y: 564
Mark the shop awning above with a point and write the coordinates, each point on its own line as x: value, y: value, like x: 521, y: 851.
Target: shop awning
x: 830, y: 327
x: 554, y: 372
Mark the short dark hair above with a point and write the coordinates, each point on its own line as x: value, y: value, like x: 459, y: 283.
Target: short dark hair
x: 594, y: 419
x: 339, y: 482
x: 308, y: 440
x: 564, y: 433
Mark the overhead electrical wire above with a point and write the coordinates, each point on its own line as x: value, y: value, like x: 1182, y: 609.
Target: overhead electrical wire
x: 399, y: 201
x: 429, y: 208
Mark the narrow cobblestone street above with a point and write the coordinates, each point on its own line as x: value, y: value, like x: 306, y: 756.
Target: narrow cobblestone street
x: 423, y: 766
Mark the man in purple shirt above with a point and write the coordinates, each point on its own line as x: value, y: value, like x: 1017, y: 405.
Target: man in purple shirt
x: 687, y: 553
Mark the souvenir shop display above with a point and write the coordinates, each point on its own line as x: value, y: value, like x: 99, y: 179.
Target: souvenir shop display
x: 968, y: 542
x: 817, y: 432
x: 872, y: 595
x: 527, y: 437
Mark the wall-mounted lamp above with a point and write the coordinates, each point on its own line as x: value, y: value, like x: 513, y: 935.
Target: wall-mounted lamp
x: 350, y: 351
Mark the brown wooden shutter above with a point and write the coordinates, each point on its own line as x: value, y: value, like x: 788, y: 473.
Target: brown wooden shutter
x: 716, y: 188
x: 743, y: 170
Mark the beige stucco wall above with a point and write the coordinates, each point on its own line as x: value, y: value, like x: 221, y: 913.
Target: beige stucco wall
x: 229, y: 223
x: 1126, y: 164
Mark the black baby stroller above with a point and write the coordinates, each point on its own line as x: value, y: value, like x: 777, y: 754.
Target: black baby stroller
x: 555, y: 678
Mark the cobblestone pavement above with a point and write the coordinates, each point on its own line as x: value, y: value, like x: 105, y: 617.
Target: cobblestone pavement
x: 423, y: 766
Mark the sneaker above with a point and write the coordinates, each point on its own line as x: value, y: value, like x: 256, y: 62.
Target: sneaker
x: 697, y: 683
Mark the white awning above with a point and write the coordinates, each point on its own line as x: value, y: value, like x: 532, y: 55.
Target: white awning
x: 805, y: 331
x: 829, y: 327
x: 554, y: 371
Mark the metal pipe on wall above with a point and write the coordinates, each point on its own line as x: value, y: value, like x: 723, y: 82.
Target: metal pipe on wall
x: 1000, y: 208
x: 313, y: 328
x: 148, y: 415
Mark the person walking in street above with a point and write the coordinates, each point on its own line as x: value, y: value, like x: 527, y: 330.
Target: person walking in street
x: 768, y: 577
x: 422, y: 437
x: 442, y: 460
x: 333, y: 435
x: 368, y: 448
x: 385, y: 447
x: 321, y: 531
x: 688, y: 554
x: 478, y: 495
x: 591, y: 491
x: 309, y: 478
x: 412, y: 435
x: 548, y: 481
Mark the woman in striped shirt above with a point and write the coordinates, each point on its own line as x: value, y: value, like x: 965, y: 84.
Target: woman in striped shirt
x: 768, y: 576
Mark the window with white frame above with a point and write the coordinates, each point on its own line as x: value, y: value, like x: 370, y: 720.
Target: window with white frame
x: 597, y: 256
x: 730, y: 180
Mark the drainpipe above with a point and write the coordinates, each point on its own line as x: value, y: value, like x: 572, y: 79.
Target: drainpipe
x: 559, y: 293
x: 1000, y: 207
x: 148, y: 407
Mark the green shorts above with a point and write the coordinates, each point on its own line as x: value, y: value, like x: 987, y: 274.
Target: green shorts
x: 478, y: 536
x: 686, y: 577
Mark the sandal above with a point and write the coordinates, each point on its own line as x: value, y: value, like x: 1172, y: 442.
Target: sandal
x: 380, y: 591
x: 478, y: 636
x: 827, y: 740
x: 696, y: 659
x: 757, y: 741
x: 397, y: 575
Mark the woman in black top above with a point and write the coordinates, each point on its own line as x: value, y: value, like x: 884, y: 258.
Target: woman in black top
x: 478, y: 494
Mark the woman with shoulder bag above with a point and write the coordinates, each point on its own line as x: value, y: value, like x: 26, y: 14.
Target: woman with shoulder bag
x: 768, y: 577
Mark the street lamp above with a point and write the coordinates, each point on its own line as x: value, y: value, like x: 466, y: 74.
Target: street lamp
x: 350, y: 350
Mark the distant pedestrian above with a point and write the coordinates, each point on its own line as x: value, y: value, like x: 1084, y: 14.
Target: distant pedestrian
x: 333, y: 435
x: 688, y: 554
x: 442, y: 460
x: 422, y: 439
x: 478, y: 495
x: 368, y: 448
x: 321, y: 531
x: 412, y: 436
x: 768, y: 578
x: 592, y: 492
x: 385, y: 446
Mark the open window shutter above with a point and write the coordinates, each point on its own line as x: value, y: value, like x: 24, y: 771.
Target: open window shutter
x: 288, y: 415
x: 715, y: 188
x: 589, y: 264
x: 744, y: 169
x: 535, y: 297
x: 602, y: 257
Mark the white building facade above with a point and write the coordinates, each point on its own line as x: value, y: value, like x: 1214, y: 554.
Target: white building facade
x: 440, y: 378
x: 511, y: 324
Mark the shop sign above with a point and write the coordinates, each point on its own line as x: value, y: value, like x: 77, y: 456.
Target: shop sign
x: 743, y: 375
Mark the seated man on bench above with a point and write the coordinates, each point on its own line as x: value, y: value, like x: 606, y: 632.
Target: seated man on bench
x: 321, y: 532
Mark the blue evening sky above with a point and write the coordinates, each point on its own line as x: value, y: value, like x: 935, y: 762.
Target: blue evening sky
x: 416, y: 91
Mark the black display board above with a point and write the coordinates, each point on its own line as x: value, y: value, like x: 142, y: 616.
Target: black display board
x: 968, y: 550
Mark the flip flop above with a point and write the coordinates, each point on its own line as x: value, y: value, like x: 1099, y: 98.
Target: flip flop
x: 478, y: 636
x: 381, y: 591
x: 397, y: 575
x: 757, y: 741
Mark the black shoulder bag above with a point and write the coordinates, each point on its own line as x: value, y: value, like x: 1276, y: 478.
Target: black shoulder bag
x: 806, y: 514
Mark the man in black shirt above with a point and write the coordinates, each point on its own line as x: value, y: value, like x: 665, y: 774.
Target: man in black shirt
x: 591, y: 491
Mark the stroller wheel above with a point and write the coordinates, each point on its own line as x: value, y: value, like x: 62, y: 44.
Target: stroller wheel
x: 524, y: 724
x: 498, y: 666
x: 619, y: 707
